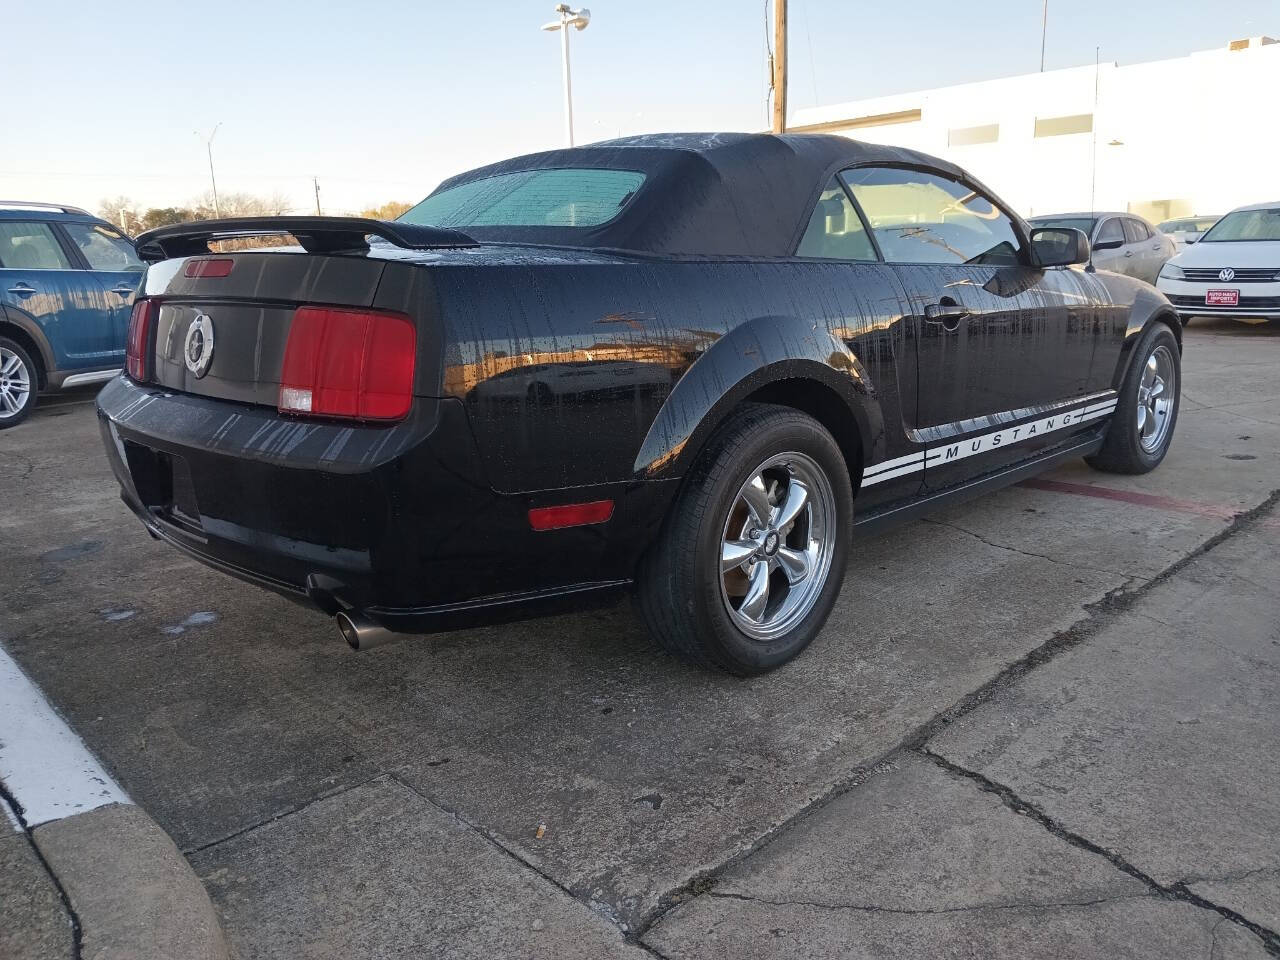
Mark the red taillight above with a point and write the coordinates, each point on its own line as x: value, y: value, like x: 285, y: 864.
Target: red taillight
x: 348, y: 363
x: 570, y: 515
x: 136, y: 348
x: 209, y: 268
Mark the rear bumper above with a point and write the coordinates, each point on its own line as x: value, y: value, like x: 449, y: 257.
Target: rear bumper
x: 398, y: 522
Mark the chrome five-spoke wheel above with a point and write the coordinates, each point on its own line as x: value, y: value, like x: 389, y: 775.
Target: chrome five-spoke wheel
x: 1157, y: 391
x: 777, y: 545
x: 15, y: 384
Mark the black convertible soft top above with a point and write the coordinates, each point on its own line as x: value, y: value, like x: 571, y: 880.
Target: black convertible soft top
x: 705, y: 194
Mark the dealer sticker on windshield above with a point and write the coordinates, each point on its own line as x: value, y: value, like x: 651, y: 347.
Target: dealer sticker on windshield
x: 1222, y: 298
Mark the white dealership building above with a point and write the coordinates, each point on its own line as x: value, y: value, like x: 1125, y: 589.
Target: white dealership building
x: 1194, y: 135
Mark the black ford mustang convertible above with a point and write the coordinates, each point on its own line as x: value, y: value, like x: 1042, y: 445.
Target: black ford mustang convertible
x: 696, y: 365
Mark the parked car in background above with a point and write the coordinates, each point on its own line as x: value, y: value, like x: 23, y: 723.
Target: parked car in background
x: 1122, y: 242
x: 725, y: 353
x: 67, y: 281
x: 1233, y: 271
x: 1186, y: 230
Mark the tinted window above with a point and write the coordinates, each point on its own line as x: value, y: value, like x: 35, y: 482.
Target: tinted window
x: 1110, y: 231
x: 103, y: 247
x: 1193, y: 224
x: 530, y: 198
x: 1134, y: 232
x: 1083, y: 224
x: 920, y: 217
x: 1247, y: 225
x: 30, y: 246
x: 835, y: 230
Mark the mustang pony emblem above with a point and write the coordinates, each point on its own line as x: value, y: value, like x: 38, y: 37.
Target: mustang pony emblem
x: 197, y: 352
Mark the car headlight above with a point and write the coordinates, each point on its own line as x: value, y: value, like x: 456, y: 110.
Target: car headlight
x: 1171, y: 272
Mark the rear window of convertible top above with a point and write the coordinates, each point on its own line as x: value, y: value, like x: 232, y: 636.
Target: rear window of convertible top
x: 530, y: 198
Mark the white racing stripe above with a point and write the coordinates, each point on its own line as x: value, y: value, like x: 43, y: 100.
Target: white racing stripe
x: 44, y: 766
x: 986, y: 442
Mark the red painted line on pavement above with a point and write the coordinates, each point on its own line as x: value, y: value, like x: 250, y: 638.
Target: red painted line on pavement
x: 1129, y: 496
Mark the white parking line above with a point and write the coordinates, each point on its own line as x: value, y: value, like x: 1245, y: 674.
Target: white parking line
x: 44, y: 766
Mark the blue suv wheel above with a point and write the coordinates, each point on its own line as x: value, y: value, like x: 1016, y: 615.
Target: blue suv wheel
x: 18, y: 383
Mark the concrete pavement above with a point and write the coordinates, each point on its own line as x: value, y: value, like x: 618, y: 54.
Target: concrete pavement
x: 574, y: 777
x: 1118, y: 800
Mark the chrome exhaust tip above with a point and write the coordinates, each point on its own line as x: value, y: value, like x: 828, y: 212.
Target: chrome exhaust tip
x: 361, y: 633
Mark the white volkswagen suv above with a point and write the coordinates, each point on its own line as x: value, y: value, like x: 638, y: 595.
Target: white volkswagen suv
x: 1233, y: 271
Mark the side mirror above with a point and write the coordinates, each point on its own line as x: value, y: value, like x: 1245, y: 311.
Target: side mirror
x: 1191, y: 239
x: 1109, y: 245
x: 1058, y: 247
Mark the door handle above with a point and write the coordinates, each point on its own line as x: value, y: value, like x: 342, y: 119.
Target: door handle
x: 947, y: 312
x: 22, y: 289
x: 123, y: 289
x: 1128, y: 253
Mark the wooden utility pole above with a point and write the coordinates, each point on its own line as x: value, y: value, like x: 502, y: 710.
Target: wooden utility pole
x: 779, y: 66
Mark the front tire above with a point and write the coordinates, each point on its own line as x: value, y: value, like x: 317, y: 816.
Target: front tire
x: 1141, y: 428
x: 751, y: 558
x: 18, y: 383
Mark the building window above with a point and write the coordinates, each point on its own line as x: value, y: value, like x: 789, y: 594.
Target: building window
x: 871, y: 120
x: 967, y: 136
x: 1060, y: 126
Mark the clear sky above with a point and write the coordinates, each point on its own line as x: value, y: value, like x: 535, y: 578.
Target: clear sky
x: 381, y: 99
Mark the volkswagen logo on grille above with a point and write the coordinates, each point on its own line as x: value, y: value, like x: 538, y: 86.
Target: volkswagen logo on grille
x: 1226, y: 275
x: 198, y: 349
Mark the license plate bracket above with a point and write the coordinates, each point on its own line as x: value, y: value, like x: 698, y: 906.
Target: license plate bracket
x: 1222, y: 298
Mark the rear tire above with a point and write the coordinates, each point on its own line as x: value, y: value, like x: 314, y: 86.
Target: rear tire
x: 752, y: 555
x: 1142, y: 425
x: 19, y: 383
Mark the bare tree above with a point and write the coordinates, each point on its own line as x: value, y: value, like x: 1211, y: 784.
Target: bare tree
x: 388, y: 211
x: 242, y: 205
x: 121, y: 211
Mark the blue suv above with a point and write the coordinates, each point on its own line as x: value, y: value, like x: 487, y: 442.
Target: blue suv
x: 67, y: 281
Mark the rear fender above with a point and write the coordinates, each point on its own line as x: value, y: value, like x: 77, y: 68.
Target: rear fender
x: 35, y: 333
x: 751, y: 356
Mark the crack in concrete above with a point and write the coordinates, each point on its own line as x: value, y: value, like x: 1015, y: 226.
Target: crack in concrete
x: 1235, y: 877
x: 1097, y: 615
x: 1173, y: 891
x: 1027, y: 553
x: 77, y: 931
x: 1213, y: 939
x: 938, y: 911
x: 599, y: 909
x: 189, y: 852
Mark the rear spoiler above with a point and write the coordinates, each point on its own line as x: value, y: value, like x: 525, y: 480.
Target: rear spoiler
x: 314, y: 235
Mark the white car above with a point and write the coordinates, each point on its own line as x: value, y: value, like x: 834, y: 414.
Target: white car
x: 1233, y: 271
x: 1185, y: 231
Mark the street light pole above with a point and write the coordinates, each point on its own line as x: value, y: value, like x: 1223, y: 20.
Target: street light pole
x: 568, y: 84
x: 208, y: 144
x: 579, y: 20
x: 1044, y: 31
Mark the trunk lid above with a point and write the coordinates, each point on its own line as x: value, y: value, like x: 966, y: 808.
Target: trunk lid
x: 224, y: 318
x: 244, y: 317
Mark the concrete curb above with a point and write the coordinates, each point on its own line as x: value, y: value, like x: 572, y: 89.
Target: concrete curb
x: 134, y: 894
x: 129, y: 891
